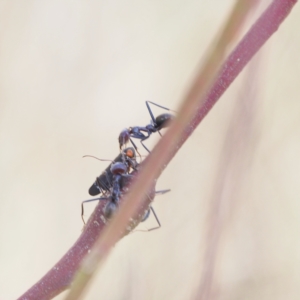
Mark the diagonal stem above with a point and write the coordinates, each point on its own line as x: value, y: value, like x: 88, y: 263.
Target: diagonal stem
x: 58, y: 278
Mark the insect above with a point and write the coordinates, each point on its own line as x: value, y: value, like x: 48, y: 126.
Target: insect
x: 104, y: 181
x: 143, y: 133
x: 113, y: 181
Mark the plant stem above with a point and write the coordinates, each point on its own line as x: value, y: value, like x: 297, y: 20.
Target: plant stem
x: 59, y: 277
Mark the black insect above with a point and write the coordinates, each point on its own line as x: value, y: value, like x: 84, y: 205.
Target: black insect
x: 113, y: 180
x: 143, y: 133
x: 104, y: 182
x: 120, y: 172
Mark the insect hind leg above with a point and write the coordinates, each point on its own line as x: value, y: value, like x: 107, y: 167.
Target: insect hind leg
x: 90, y: 200
x: 155, y: 216
x: 151, y: 114
x: 153, y: 103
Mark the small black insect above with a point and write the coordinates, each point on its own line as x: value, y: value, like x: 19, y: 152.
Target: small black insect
x: 113, y: 180
x: 104, y: 181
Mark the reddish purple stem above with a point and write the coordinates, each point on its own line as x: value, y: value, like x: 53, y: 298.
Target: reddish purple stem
x: 60, y: 276
x: 259, y: 33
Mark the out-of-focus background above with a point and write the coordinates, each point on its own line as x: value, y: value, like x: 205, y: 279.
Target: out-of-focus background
x: 73, y: 74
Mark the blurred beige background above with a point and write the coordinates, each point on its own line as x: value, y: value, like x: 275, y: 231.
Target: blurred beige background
x: 73, y: 74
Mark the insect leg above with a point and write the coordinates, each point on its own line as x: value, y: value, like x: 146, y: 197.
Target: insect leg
x: 155, y: 216
x: 144, y: 145
x: 162, y: 192
x: 150, y: 111
x: 90, y: 200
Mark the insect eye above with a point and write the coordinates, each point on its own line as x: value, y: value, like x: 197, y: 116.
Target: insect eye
x: 130, y: 153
